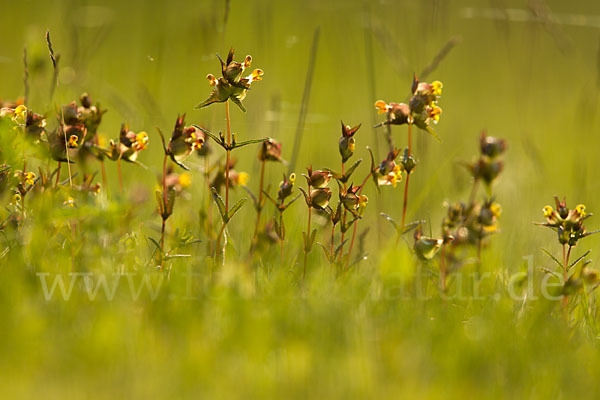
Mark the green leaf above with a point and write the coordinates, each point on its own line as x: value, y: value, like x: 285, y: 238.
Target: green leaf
x: 161, y: 203
x: 339, y: 248
x: 219, y: 202
x: 574, y: 263
x: 170, y: 201
x: 350, y: 170
x: 247, y: 142
x: 550, y: 272
x: 162, y: 139
x: 328, y: 255
x: 211, y: 135
x: 392, y: 221
x: 552, y: 257
x: 433, y: 133
x: 155, y: 243
x: 235, y: 209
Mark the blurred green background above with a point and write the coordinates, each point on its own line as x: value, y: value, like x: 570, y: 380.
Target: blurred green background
x: 525, y: 71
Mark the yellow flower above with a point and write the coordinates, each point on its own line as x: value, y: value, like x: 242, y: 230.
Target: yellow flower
x: 381, y: 106
x: 141, y: 140
x: 20, y: 115
x: 581, y: 210
x: 362, y: 203
x: 212, y: 80
x: 437, y: 88
x: 73, y: 141
x: 496, y: 209
x: 548, y: 211
x: 29, y: 178
x: 16, y: 198
x: 185, y: 179
x: 434, y: 112
x: 243, y: 178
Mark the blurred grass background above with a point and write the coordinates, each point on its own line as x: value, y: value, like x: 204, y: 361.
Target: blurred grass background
x: 534, y: 83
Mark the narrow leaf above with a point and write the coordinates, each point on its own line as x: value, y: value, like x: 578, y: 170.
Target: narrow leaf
x: 247, y: 142
x: 552, y: 257
x: 219, y: 201
x: 235, y: 209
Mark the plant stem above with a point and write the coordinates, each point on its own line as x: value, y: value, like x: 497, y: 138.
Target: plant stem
x: 407, y: 180
x: 164, y: 221
x: 120, y: 177
x: 228, y: 156
x: 260, y: 201
x: 565, y: 299
x: 57, y: 175
x: 443, y: 268
x: 282, y: 239
x: 362, y: 185
x: 343, y: 220
x: 307, y: 240
x: 102, y: 167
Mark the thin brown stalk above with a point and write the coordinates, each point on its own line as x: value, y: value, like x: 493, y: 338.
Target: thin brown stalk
x: 355, y: 227
x: 54, y: 59
x: 57, y: 175
x: 164, y: 221
x: 260, y: 200
x: 228, y: 156
x: 566, y: 256
x: 443, y: 269
x: 120, y: 176
x: 307, y: 239
x: 282, y: 240
x: 343, y: 220
x: 405, y: 204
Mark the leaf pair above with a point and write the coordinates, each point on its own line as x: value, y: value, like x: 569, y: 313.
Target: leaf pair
x: 347, y: 174
x: 220, y: 140
x: 331, y: 257
x: 226, y: 215
x: 309, y: 241
x: 165, y: 203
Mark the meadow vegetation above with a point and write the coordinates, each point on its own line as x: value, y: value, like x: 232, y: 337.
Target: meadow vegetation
x: 314, y: 228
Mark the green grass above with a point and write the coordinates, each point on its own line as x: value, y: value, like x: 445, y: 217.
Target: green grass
x: 261, y: 332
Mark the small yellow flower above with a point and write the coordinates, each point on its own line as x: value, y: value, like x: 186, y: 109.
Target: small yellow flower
x: 16, y: 198
x: 185, y: 179
x: 70, y: 202
x: 362, y: 203
x: 212, y: 80
x: 73, y: 141
x: 437, y: 88
x: 243, y: 178
x: 381, y: 106
x: 548, y: 211
x: 256, y: 75
x: 29, y: 178
x: 434, y: 112
x: 20, y: 115
x: 141, y: 140
x: 496, y: 209
x: 580, y: 210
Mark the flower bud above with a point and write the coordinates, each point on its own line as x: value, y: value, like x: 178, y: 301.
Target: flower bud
x: 320, y: 197
x: 270, y: 150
